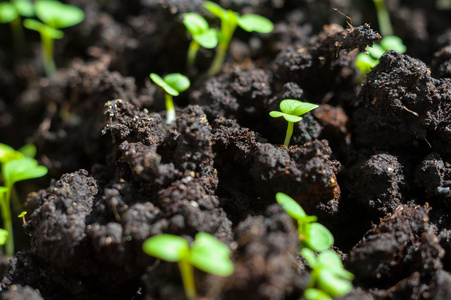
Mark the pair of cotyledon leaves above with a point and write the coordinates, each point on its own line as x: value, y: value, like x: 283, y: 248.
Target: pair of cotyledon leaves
x: 292, y: 109
x: 173, y: 83
x: 9, y: 11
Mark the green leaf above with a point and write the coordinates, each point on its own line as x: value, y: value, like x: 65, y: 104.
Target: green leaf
x: 365, y: 62
x: 3, y: 236
x: 167, y: 247
x: 210, y: 255
x: 43, y: 28
x: 177, y: 81
x: 215, y: 9
x: 5, y: 150
x: 195, y: 23
x: 291, y: 206
x: 295, y: 107
x: 57, y: 14
x: 291, y: 118
x: 317, y: 237
x: 28, y: 150
x: 310, y: 257
x: 161, y: 83
x: 208, y: 39
x: 8, y: 12
x: 24, y: 7
x: 22, y: 169
x: 276, y: 114
x: 315, y: 294
x: 252, y: 22
x: 393, y: 42
x: 376, y: 51
x: 332, y: 284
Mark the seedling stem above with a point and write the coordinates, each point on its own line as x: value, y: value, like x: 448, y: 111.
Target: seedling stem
x: 383, y: 18
x: 187, y: 272
x: 170, y: 109
x: 289, y: 133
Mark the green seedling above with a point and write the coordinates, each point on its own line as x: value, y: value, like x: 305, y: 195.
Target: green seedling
x: 172, y: 84
x: 22, y: 215
x: 328, y: 279
x: 366, y: 61
x: 11, y: 12
x: 311, y: 234
x: 3, y: 236
x: 229, y: 21
x: 16, y: 166
x: 201, y: 33
x: 206, y: 253
x: 54, y: 16
x: 291, y: 110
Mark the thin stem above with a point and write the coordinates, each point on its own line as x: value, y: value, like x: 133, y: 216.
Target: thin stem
x: 227, y: 30
x: 18, y: 35
x: 7, y: 222
x: 186, y: 269
x: 170, y: 110
x: 192, y: 52
x: 289, y: 133
x: 383, y: 18
x: 47, y: 46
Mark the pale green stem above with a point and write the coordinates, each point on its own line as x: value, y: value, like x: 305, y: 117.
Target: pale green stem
x: 383, y: 18
x: 7, y: 222
x: 170, y: 110
x: 227, y: 31
x: 47, y: 45
x: 18, y: 35
x: 186, y: 269
x: 192, y: 52
x: 289, y: 133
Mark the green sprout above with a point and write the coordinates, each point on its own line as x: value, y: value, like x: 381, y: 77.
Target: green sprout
x: 54, y: 15
x: 11, y: 12
x: 3, y: 236
x: 328, y: 279
x: 16, y: 166
x: 291, y: 110
x: 206, y: 253
x: 311, y: 234
x: 366, y: 61
x: 202, y: 35
x: 229, y: 21
x: 172, y: 84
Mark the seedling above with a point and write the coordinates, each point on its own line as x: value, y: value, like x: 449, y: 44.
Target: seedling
x: 291, y: 110
x: 11, y: 12
x: 311, y: 234
x: 206, y: 253
x: 22, y: 215
x: 172, y: 84
x: 366, y: 61
x: 54, y: 15
x: 15, y: 167
x: 229, y: 21
x: 3, y: 236
x: 202, y: 35
x: 328, y: 279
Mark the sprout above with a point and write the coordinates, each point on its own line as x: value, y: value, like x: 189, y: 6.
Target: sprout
x: 229, y: 21
x: 328, y: 279
x: 16, y: 166
x: 54, y: 15
x: 172, y: 84
x: 3, y: 236
x: 311, y: 234
x: 206, y: 253
x: 202, y: 35
x: 11, y: 12
x: 291, y: 110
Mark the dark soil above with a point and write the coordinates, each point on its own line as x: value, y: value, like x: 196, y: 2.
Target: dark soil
x: 373, y: 162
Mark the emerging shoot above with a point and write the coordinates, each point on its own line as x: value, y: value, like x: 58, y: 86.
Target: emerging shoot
x: 291, y: 110
x: 54, y: 15
x: 206, y: 253
x: 172, y: 84
x: 202, y: 35
x: 11, y: 12
x: 229, y: 21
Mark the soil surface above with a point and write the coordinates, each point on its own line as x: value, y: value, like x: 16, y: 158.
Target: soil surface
x: 373, y: 162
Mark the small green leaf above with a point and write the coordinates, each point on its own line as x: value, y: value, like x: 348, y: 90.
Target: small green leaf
x: 332, y: 284
x: 310, y: 257
x: 276, y: 114
x: 167, y: 247
x: 365, y: 62
x: 22, y: 214
x: 161, y: 83
x: 208, y: 39
x: 210, y: 255
x: 3, y: 236
x: 24, y: 7
x: 291, y: 206
x: 177, y: 81
x: 28, y: 150
x: 317, y: 237
x: 195, y: 23
x: 252, y: 22
x: 376, y: 51
x: 296, y: 107
x: 291, y: 118
x: 22, y: 169
x: 5, y: 150
x: 8, y: 12
x: 393, y: 42
x: 42, y: 28
x: 215, y: 9
x: 315, y: 294
x: 57, y: 14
